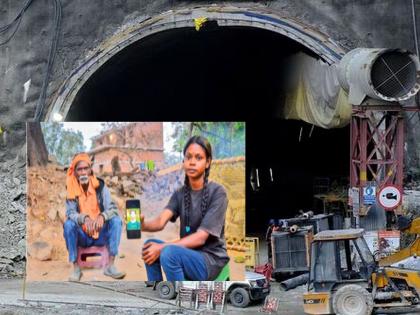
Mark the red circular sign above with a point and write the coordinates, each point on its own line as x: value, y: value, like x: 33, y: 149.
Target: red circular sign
x: 390, y: 197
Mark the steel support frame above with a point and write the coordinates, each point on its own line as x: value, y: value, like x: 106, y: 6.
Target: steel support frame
x: 376, y: 148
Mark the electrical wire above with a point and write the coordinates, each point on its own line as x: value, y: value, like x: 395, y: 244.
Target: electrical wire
x: 52, y: 52
x: 16, y: 21
x: 13, y: 34
x: 19, y: 16
x: 411, y: 117
x: 413, y: 12
x: 51, y: 57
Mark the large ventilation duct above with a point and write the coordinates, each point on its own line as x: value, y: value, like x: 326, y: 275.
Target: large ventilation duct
x: 391, y: 75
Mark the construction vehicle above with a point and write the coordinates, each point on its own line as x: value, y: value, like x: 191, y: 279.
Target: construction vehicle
x: 255, y: 287
x: 290, y: 241
x: 345, y: 279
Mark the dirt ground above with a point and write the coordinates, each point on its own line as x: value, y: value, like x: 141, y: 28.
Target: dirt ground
x: 46, y: 214
x: 118, y: 297
x: 132, y: 264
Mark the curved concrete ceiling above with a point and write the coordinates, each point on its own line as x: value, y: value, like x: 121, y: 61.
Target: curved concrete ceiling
x: 314, y: 40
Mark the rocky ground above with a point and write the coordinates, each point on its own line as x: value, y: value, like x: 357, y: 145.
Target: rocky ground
x: 12, y: 218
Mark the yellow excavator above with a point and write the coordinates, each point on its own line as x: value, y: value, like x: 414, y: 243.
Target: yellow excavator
x: 345, y: 279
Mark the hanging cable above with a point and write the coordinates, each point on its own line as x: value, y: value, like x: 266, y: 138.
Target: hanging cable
x: 413, y: 11
x: 13, y: 34
x: 52, y: 53
x: 18, y: 17
x: 15, y: 23
x: 51, y: 57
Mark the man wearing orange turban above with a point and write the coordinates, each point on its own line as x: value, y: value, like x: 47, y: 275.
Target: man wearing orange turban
x: 92, y: 217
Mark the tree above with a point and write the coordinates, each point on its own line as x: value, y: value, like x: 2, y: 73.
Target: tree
x: 180, y: 134
x: 62, y: 143
x: 37, y: 150
x: 227, y: 138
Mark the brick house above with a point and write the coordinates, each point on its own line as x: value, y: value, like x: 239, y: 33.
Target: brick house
x: 121, y: 150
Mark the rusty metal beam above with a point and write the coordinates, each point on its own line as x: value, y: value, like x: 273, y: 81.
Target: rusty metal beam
x: 377, y: 148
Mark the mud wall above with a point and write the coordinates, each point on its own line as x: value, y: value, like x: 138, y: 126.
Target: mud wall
x: 231, y: 174
x: 128, y: 159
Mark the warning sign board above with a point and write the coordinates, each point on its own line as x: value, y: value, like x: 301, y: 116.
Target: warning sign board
x: 389, y: 197
x: 369, y: 195
x: 382, y: 243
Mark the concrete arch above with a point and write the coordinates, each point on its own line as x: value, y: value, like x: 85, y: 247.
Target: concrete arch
x: 312, y: 39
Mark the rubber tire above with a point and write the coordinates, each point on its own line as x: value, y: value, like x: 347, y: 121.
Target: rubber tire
x: 239, y: 297
x: 358, y: 295
x: 166, y: 290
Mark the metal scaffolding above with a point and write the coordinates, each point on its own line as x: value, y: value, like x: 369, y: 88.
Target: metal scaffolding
x: 377, y: 148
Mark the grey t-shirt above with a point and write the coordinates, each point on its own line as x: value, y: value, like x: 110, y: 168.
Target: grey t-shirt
x: 212, y: 221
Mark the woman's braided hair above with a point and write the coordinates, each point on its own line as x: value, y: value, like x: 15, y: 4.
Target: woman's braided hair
x: 205, y: 144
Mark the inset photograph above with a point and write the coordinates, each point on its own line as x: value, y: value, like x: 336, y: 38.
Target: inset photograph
x: 136, y: 201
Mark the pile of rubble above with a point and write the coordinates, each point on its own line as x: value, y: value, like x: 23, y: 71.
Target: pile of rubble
x: 46, y: 212
x: 12, y: 217
x: 128, y: 186
x: 411, y: 197
x: 166, y: 183
x: 411, y: 200
x: 155, y: 185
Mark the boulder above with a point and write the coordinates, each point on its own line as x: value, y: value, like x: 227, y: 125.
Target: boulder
x: 127, y: 185
x: 40, y: 250
x: 114, y: 181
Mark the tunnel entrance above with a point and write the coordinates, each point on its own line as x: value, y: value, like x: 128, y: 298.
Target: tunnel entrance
x: 230, y: 73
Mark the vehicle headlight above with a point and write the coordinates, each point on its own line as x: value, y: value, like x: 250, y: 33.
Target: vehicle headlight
x: 253, y: 283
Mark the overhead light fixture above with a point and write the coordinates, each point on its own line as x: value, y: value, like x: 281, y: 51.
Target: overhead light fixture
x: 57, y: 117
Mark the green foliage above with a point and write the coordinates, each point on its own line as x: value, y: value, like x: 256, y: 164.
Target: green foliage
x: 172, y: 159
x: 227, y: 138
x: 61, y: 143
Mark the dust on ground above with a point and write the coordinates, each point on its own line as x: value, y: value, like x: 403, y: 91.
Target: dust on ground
x: 127, y: 297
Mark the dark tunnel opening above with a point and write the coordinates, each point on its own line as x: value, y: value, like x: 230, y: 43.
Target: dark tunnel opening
x: 223, y: 74
x: 298, y: 157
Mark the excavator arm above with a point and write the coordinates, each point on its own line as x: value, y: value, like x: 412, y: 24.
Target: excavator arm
x: 409, y: 227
